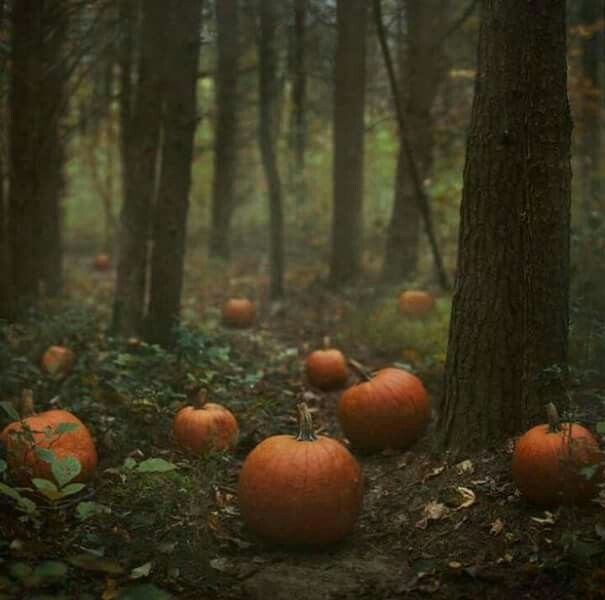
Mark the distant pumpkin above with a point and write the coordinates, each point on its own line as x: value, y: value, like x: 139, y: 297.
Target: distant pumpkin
x: 206, y: 426
x: 57, y: 361
x: 416, y: 303
x: 102, y: 262
x: 326, y: 369
x: 22, y: 460
x: 239, y: 313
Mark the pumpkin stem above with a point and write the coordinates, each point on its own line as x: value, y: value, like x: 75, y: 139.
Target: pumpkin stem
x: 26, y: 407
x: 326, y: 342
x: 305, y: 424
x: 554, y: 421
x: 201, y: 398
x: 360, y: 369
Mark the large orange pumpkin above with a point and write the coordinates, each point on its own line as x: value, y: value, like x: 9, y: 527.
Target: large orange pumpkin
x: 415, y: 303
x: 21, y: 456
x: 390, y: 411
x: 548, y: 461
x: 300, y: 490
x: 239, y: 312
x: 57, y: 361
x: 205, y: 427
x: 326, y: 369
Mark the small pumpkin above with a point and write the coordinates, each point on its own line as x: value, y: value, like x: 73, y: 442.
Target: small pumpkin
x: 300, y: 490
x: 239, y: 312
x: 387, y: 411
x: 102, y: 262
x: 326, y: 369
x: 45, y: 432
x: 57, y: 361
x: 548, y: 461
x: 206, y: 426
x: 416, y: 303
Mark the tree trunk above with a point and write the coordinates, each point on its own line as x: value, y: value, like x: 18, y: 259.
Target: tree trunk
x: 140, y: 147
x: 349, y: 100
x: 298, y: 99
x: 225, y: 135
x: 421, y: 70
x: 268, y: 91
x: 182, y: 25
x: 592, y: 52
x: 507, y: 346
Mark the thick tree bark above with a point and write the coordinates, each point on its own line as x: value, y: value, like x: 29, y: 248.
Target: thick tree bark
x: 299, y: 101
x: 225, y: 136
x: 349, y: 101
x: 182, y: 25
x: 268, y: 88
x: 421, y: 70
x: 140, y: 147
x: 507, y: 347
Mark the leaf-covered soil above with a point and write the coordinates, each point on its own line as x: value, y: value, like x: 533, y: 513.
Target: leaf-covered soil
x: 157, y: 523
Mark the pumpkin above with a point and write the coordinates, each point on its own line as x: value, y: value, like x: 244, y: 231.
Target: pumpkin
x: 548, y: 461
x: 326, y: 369
x: 204, y: 427
x: 57, y: 361
x: 388, y: 411
x: 102, y: 262
x: 300, y: 490
x: 415, y: 303
x: 22, y: 459
x: 238, y: 312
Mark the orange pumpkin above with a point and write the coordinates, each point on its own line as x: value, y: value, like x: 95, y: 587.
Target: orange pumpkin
x: 21, y: 457
x: 548, y: 461
x: 300, y: 490
x: 57, y: 361
x: 102, y: 262
x: 326, y: 369
x: 205, y: 427
x: 391, y: 410
x: 415, y: 303
x: 238, y: 312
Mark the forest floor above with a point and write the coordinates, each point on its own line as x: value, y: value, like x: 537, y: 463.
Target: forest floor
x: 431, y: 526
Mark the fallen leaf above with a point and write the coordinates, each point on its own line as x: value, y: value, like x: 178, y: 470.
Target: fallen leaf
x: 466, y: 466
x: 433, y: 473
x: 435, y: 510
x: 549, y: 519
x: 496, y: 527
x: 90, y: 562
x: 221, y: 564
x: 142, y: 571
x: 469, y: 497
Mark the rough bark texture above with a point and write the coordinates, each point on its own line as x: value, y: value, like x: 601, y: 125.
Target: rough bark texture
x: 299, y: 100
x: 592, y: 54
x: 268, y: 86
x: 508, y: 333
x: 349, y: 101
x: 225, y: 137
x: 421, y: 69
x: 182, y: 25
x: 140, y: 146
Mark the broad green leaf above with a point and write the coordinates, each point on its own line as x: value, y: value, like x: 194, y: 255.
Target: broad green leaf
x: 155, y: 465
x: 7, y: 490
x: 589, y: 471
x: 65, y: 469
x: 72, y: 488
x: 66, y: 427
x: 130, y: 463
x: 88, y: 508
x: 51, y: 568
x: 21, y: 570
x: 601, y: 427
x: 10, y: 410
x: 28, y: 506
x: 47, y: 488
x: 45, y: 454
x: 3, y: 466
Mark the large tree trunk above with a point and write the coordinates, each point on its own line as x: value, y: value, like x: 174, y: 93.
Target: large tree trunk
x: 140, y: 146
x: 268, y: 91
x: 182, y: 25
x: 225, y: 135
x: 349, y: 101
x: 299, y: 100
x: 507, y: 348
x: 421, y: 70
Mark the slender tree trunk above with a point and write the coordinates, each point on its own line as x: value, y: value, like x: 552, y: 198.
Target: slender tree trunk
x: 592, y: 54
x: 299, y: 100
x: 268, y: 87
x: 507, y: 347
x: 225, y: 137
x: 182, y: 24
x: 140, y: 147
x: 349, y: 101
x: 421, y: 70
